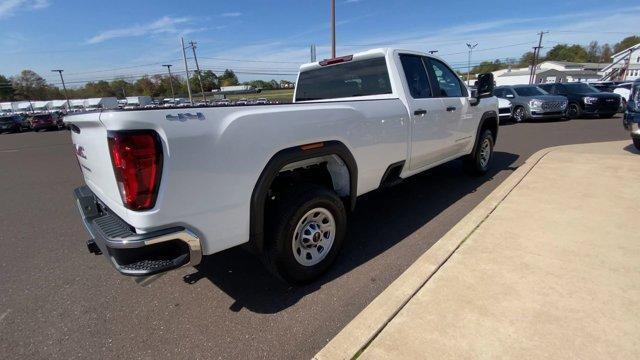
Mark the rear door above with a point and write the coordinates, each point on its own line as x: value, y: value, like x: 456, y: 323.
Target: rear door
x: 427, y: 113
x: 460, y: 116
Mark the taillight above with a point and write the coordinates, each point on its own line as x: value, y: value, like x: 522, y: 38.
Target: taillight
x: 136, y: 157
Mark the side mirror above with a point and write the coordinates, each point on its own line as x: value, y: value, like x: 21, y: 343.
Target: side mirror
x: 485, y: 85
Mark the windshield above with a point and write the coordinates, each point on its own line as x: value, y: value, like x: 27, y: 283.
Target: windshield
x: 580, y: 88
x: 358, y: 78
x: 530, y: 91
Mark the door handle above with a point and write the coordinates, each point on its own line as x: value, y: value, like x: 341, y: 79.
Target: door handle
x: 420, y: 112
x: 451, y: 108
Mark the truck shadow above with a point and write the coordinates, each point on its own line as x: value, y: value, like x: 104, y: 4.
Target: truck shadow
x: 381, y: 220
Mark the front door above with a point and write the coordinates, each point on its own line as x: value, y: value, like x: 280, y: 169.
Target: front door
x: 427, y: 114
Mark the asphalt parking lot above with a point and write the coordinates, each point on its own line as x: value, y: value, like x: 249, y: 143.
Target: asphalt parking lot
x: 60, y: 302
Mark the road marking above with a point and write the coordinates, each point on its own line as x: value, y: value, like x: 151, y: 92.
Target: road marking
x: 9, y: 151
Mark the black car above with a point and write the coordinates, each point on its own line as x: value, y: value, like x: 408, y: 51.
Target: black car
x: 13, y: 123
x: 585, y: 100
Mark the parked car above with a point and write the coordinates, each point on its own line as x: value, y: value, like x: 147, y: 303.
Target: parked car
x: 631, y: 120
x: 262, y: 101
x: 223, y: 102
x: 585, y: 100
x: 531, y: 102
x: 13, y: 123
x: 505, y: 109
x: 624, y: 90
x: 278, y: 177
x: 44, y: 122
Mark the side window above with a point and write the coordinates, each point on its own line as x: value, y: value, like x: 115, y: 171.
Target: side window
x: 499, y: 93
x: 416, y: 75
x: 512, y: 93
x: 448, y: 81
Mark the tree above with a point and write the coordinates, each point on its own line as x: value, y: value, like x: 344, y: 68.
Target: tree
x: 606, y: 53
x: 526, y: 59
x: 564, y: 52
x: 144, y: 86
x: 29, y: 85
x: 228, y: 78
x: 6, y: 89
x: 593, y: 52
x: 626, y: 43
x: 489, y: 66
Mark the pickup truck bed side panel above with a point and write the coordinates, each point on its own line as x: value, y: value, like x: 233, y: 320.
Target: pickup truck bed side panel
x: 213, y: 161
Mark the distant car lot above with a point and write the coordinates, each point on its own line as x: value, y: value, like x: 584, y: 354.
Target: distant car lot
x: 59, y: 302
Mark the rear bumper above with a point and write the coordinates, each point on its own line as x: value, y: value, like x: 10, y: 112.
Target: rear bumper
x: 131, y: 253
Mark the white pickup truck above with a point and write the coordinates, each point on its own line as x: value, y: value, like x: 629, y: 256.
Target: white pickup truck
x: 166, y: 186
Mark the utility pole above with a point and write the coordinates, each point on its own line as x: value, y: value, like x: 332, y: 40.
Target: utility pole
x: 173, y: 95
x: 64, y: 88
x: 124, y: 92
x: 186, y: 69
x: 193, y: 47
x: 333, y: 29
x: 536, y: 53
x: 471, y: 47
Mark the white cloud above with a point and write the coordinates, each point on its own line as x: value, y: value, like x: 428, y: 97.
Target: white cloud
x: 8, y: 8
x: 352, y: 1
x: 164, y: 25
x: 231, y: 14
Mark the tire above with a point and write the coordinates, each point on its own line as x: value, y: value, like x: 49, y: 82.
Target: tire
x: 636, y: 143
x: 479, y: 162
x: 298, y: 250
x: 519, y: 114
x: 573, y: 110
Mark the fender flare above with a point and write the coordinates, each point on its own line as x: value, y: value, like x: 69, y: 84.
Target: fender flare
x: 490, y: 115
x: 272, y: 169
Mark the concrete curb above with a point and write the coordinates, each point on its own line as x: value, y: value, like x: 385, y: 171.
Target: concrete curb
x: 355, y: 337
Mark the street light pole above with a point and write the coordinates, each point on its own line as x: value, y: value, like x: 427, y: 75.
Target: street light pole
x: 471, y: 47
x: 64, y: 88
x: 173, y: 95
x: 186, y: 69
x: 333, y: 29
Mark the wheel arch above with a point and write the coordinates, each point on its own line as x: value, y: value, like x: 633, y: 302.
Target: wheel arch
x: 289, y: 156
x: 490, y: 121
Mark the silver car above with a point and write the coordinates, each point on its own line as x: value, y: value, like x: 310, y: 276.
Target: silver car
x: 531, y: 102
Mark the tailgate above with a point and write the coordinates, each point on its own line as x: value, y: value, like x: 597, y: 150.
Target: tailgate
x: 89, y: 138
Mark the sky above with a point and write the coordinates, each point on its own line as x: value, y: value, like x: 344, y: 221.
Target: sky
x: 260, y: 39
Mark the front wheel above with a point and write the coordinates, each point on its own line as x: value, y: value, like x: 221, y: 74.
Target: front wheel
x: 478, y: 162
x: 573, y: 111
x: 307, y: 228
x: 519, y: 114
x: 636, y: 143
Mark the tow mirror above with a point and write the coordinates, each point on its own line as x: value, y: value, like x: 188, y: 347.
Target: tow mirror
x: 485, y: 85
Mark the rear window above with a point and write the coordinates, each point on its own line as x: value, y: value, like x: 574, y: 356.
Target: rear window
x: 358, y: 78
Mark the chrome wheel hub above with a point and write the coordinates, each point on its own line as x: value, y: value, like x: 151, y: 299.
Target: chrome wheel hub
x: 313, y: 236
x: 485, y: 152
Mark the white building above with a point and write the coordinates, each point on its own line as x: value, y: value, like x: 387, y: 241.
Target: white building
x: 551, y: 71
x: 101, y: 103
x: 613, y: 70
x: 41, y: 105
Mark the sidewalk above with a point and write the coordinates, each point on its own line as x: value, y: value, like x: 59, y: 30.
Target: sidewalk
x: 548, y: 266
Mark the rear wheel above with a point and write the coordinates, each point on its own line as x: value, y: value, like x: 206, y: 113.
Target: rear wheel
x: 519, y: 114
x: 306, y: 231
x: 478, y: 163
